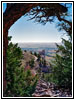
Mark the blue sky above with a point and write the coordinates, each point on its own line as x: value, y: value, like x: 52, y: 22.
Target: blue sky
x: 28, y: 31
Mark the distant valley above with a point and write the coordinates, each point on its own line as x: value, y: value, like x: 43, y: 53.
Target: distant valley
x: 36, y: 47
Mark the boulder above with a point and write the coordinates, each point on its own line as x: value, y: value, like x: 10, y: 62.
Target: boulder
x: 44, y: 85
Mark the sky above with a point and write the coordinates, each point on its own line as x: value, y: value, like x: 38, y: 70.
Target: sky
x: 28, y: 31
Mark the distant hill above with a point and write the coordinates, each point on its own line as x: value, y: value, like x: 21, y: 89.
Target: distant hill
x: 27, y: 56
x: 37, y: 45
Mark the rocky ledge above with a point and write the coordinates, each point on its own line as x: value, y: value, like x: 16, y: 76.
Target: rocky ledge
x: 46, y: 89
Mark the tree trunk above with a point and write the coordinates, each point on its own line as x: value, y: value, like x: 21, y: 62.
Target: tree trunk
x: 11, y: 15
x: 5, y: 44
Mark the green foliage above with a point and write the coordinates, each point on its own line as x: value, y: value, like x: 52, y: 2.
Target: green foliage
x: 39, y: 70
x: 9, y: 38
x: 62, y: 66
x: 46, y: 12
x: 39, y: 57
x: 19, y: 82
x: 47, y: 77
x: 35, y: 54
x: 31, y: 63
x: 25, y: 50
x: 44, y: 62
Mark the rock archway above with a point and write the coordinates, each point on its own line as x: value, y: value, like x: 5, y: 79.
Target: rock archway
x: 15, y: 10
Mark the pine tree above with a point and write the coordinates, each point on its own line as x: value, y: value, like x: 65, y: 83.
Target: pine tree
x: 35, y: 54
x: 31, y: 63
x: 19, y: 82
x: 62, y: 65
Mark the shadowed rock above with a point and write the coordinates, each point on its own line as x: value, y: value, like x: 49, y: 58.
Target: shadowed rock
x: 46, y: 89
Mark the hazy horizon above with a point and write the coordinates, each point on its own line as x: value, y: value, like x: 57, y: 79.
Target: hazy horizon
x: 36, y: 42
x: 37, y: 45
